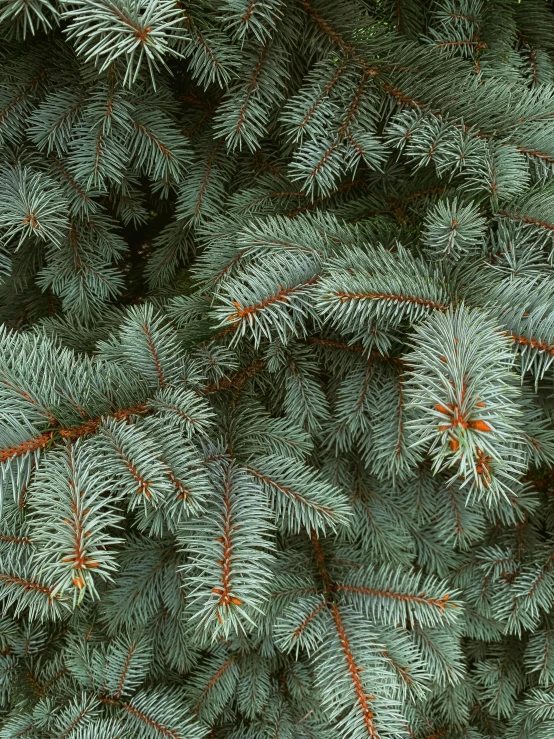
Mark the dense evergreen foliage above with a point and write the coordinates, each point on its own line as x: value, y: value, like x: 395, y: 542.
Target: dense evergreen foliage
x: 276, y: 369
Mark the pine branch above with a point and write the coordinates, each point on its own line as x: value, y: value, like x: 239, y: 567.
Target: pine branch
x: 361, y: 697
x: 299, y: 495
x: 144, y: 32
x: 228, y: 571
x: 427, y: 602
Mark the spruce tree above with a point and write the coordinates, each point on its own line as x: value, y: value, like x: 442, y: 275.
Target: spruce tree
x: 276, y: 369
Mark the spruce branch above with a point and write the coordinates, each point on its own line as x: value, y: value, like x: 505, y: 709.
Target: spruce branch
x: 142, y: 31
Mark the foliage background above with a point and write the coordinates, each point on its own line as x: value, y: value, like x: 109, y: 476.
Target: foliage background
x: 276, y: 412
